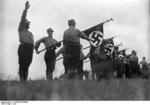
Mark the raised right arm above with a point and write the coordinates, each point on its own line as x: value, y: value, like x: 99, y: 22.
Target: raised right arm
x: 23, y: 17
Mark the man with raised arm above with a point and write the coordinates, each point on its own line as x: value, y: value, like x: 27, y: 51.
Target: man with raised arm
x: 50, y: 55
x: 25, y: 50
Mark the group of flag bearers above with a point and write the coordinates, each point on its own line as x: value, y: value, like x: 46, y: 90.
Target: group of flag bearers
x: 102, y: 54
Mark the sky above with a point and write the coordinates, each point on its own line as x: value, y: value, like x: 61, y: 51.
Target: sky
x: 131, y: 22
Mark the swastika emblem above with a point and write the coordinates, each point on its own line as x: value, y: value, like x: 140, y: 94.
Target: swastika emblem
x: 96, y: 38
x: 121, y: 57
x: 109, y: 49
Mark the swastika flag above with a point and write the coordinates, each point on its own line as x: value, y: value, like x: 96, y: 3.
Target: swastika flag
x: 98, y: 27
x: 95, y: 35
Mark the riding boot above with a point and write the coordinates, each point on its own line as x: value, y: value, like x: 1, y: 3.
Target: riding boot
x: 66, y: 70
x: 26, y: 75
x: 71, y: 74
x: 21, y: 75
x: 80, y: 76
x: 93, y: 76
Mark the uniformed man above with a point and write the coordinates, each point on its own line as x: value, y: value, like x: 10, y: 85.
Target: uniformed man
x: 144, y: 67
x: 133, y: 64
x: 25, y: 50
x: 121, y: 65
x: 143, y: 63
x: 50, y: 55
x: 71, y: 43
x: 80, y: 66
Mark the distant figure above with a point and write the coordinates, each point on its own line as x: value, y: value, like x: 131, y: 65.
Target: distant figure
x: 71, y: 43
x: 144, y: 63
x: 133, y: 64
x: 25, y: 50
x: 80, y: 70
x: 144, y: 67
x: 50, y: 55
x: 61, y: 51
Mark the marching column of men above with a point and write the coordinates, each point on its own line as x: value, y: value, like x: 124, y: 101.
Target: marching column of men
x: 73, y: 56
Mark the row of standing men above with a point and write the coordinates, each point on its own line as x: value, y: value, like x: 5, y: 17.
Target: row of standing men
x: 72, y: 50
x: 71, y: 47
x: 130, y: 66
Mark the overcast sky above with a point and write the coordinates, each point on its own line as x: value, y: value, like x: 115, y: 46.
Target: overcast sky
x: 131, y: 22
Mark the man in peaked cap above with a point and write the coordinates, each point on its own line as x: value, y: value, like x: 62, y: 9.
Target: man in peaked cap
x: 25, y: 50
x: 50, y: 55
x: 133, y: 64
x: 144, y: 67
x: 71, y: 44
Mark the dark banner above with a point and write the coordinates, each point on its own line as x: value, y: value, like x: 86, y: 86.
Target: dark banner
x: 98, y: 27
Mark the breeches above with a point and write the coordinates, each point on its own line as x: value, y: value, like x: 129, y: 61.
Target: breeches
x: 50, y: 59
x: 72, y: 56
x: 25, y: 54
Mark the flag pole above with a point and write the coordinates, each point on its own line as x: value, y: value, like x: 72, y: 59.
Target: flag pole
x: 111, y: 19
x: 86, y: 61
x: 48, y: 47
x: 119, y: 44
x: 82, y: 49
x: 59, y: 58
x: 86, y: 47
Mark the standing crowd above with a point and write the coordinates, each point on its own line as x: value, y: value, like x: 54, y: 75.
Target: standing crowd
x: 71, y: 48
x: 73, y: 56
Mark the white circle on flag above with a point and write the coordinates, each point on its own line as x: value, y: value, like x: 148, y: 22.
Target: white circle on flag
x: 121, y: 57
x: 96, y: 38
x: 109, y: 49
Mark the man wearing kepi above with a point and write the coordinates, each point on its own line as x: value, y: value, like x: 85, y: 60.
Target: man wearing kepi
x: 134, y: 67
x: 50, y: 55
x: 71, y: 43
x: 25, y: 50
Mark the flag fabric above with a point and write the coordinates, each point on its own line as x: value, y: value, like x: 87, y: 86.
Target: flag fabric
x: 110, y: 40
x: 123, y: 51
x: 95, y: 35
x: 96, y: 52
x: 109, y: 46
x: 98, y: 27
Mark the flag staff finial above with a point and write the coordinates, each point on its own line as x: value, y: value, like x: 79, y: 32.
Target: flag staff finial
x: 111, y: 19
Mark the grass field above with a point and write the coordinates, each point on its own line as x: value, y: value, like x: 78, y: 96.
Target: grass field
x: 116, y: 89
